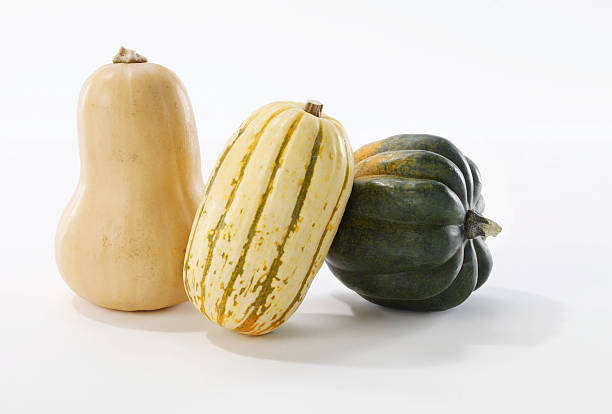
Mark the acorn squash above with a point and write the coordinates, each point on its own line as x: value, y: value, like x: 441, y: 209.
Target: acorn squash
x: 413, y: 234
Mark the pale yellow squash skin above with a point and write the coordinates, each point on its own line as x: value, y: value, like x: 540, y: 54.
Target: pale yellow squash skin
x: 121, y: 240
x: 268, y: 216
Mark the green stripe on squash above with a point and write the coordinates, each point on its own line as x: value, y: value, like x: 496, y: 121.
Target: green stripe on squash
x: 239, y: 268
x: 258, y: 306
x: 305, y: 282
x: 213, y: 237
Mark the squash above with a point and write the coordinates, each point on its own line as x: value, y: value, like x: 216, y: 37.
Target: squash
x: 121, y: 240
x: 268, y: 216
x: 413, y: 236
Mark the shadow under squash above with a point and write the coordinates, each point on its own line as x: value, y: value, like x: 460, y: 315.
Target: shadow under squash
x: 375, y: 337
x: 178, y: 318
x: 367, y: 335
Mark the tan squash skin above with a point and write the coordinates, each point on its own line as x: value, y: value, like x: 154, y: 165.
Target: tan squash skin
x: 121, y: 240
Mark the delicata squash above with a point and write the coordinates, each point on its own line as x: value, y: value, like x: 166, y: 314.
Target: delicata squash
x: 268, y: 216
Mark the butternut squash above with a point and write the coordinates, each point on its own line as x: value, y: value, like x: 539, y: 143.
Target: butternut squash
x: 121, y: 240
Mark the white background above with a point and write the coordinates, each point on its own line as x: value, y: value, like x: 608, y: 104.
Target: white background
x: 523, y: 87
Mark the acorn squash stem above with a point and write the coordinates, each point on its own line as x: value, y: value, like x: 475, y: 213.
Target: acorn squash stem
x: 479, y: 226
x: 128, y: 56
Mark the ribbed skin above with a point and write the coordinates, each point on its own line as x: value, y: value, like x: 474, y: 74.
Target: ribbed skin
x: 269, y: 213
x: 402, y: 241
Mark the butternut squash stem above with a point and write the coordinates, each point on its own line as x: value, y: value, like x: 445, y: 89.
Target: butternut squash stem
x: 128, y: 56
x: 479, y: 226
x: 313, y: 107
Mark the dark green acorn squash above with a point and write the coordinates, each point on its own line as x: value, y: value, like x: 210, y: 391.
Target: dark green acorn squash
x: 412, y: 235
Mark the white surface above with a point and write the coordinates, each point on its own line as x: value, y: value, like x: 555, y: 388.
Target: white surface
x: 523, y: 88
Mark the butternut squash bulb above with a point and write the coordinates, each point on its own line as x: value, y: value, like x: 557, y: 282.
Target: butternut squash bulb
x: 121, y: 240
x: 268, y: 216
